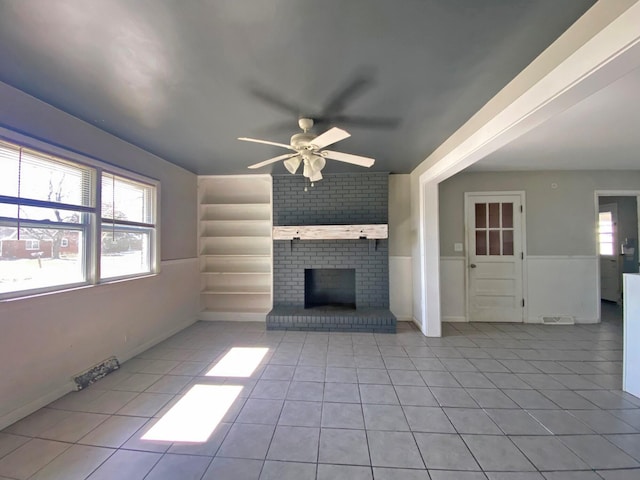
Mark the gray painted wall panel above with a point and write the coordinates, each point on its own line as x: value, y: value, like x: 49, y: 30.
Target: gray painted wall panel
x: 399, y: 215
x: 559, y: 221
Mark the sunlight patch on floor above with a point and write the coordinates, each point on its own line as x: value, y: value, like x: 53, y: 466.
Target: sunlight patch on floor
x: 196, y: 415
x: 238, y: 362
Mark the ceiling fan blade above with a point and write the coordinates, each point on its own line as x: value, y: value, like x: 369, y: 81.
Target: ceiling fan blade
x: 273, y: 160
x: 348, y: 158
x: 367, y: 122
x: 358, y: 84
x: 266, y: 142
x: 330, y: 137
x: 274, y: 100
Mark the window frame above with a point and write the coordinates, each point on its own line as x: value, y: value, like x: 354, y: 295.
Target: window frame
x: 92, y: 227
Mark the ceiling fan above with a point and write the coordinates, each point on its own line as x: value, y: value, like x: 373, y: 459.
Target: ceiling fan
x: 309, y: 151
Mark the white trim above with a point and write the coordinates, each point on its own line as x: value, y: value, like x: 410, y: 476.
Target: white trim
x: 69, y: 386
x: 241, y: 175
x: 455, y: 319
x: 19, y: 413
x: 429, y: 272
x: 562, y: 257
x: 178, y: 261
x: 211, y: 316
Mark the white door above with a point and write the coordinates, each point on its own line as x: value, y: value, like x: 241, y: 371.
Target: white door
x: 495, y: 257
x: 609, y: 269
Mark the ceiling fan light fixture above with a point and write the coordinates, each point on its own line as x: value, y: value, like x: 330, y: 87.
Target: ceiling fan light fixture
x: 317, y: 162
x: 309, y: 151
x: 292, y: 164
x: 316, y: 176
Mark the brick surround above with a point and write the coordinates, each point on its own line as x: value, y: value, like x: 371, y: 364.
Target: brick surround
x: 338, y: 199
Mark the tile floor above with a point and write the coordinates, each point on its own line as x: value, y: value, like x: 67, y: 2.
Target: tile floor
x: 486, y: 401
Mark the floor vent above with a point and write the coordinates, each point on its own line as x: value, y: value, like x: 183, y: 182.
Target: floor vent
x: 96, y: 372
x: 558, y: 320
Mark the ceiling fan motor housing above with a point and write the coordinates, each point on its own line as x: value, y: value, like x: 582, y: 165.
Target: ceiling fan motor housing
x: 301, y: 141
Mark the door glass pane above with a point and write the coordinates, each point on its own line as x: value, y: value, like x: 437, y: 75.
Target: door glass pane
x: 507, y: 215
x: 481, y: 242
x: 507, y: 242
x: 606, y: 237
x: 494, y: 242
x: 494, y: 215
x: 481, y: 215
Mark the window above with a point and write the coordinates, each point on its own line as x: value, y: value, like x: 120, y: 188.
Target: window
x: 605, y: 233
x: 32, y: 244
x: 127, y: 226
x: 494, y: 228
x: 53, y: 233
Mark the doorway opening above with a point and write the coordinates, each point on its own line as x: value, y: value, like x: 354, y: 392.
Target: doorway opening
x: 618, y: 231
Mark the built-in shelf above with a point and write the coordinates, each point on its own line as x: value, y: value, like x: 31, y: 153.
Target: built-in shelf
x: 331, y: 232
x: 235, y: 247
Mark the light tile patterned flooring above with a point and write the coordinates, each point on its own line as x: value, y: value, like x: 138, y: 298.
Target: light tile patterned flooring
x: 486, y: 401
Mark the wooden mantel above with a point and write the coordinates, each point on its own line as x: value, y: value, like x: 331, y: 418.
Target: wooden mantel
x: 331, y: 232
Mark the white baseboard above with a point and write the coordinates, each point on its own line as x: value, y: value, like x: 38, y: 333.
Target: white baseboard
x: 160, y: 338
x: 579, y: 320
x: 58, y: 391
x: 233, y: 316
x: 19, y: 413
x: 455, y: 319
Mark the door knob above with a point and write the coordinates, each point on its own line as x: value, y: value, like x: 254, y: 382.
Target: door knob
x: 473, y: 265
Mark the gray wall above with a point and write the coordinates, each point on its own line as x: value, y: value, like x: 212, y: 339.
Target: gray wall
x: 24, y: 114
x: 400, y: 215
x: 559, y: 221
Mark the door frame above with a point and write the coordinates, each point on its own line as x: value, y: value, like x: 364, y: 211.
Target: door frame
x: 597, y: 195
x: 523, y: 246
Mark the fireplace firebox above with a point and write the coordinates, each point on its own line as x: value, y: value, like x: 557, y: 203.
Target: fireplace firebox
x: 330, y: 288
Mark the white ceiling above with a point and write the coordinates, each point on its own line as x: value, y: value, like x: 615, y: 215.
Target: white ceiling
x: 601, y: 132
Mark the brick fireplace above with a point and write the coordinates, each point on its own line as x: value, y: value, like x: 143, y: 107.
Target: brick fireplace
x: 339, y: 199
